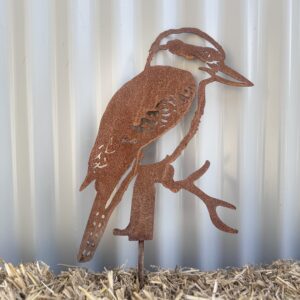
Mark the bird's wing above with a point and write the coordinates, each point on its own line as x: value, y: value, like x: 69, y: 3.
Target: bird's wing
x: 141, y: 111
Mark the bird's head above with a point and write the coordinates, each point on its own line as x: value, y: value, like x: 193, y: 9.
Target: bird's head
x: 213, y: 56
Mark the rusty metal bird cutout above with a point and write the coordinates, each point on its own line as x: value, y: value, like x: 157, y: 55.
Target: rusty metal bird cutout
x: 141, y: 111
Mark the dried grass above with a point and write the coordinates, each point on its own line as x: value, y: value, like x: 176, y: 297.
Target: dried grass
x: 280, y: 280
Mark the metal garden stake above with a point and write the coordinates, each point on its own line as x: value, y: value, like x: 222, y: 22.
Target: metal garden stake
x: 141, y: 111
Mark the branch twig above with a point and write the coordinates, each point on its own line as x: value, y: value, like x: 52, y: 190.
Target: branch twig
x: 210, y: 202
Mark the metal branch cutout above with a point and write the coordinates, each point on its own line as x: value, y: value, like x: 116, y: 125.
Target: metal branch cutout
x: 140, y: 112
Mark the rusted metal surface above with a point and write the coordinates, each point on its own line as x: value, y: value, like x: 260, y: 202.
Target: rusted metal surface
x: 140, y: 112
x: 141, y: 251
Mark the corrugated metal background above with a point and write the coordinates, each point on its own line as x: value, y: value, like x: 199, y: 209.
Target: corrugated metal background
x: 60, y: 63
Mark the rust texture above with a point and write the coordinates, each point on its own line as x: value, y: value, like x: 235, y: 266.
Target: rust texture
x: 141, y: 264
x: 141, y: 111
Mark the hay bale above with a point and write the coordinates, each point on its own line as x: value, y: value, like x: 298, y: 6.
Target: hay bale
x: 279, y: 280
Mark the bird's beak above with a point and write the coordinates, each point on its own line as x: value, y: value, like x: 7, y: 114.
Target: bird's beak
x: 226, y: 75
x: 238, y: 79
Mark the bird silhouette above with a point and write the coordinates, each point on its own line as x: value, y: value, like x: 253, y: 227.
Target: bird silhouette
x: 140, y: 112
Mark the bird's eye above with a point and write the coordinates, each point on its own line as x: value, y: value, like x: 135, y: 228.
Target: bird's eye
x: 209, y: 55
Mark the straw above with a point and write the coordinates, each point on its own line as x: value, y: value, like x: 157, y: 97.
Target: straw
x: 279, y: 280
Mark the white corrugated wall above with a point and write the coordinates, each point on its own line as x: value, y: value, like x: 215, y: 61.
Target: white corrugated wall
x: 60, y: 63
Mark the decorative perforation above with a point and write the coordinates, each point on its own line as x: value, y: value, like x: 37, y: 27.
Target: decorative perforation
x: 100, y: 160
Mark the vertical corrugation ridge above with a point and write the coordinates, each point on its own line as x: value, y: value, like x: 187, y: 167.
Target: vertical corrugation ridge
x: 76, y: 5
x: 12, y: 84
x: 289, y: 187
x: 273, y: 122
x: 28, y: 39
x: 22, y: 136
x: 55, y: 124
x: 251, y: 143
x: 286, y: 164
x: 64, y: 150
x: 7, y: 205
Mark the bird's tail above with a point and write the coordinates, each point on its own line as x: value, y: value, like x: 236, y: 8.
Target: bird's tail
x: 95, y: 227
x: 103, y: 207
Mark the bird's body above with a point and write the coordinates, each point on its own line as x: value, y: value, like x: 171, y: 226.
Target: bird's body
x: 140, y: 112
